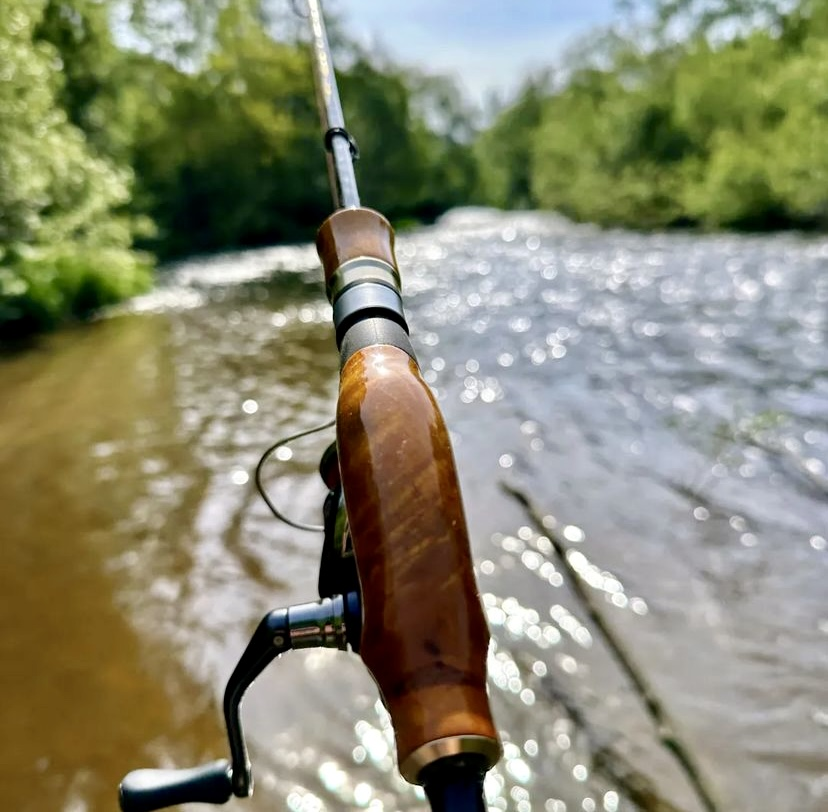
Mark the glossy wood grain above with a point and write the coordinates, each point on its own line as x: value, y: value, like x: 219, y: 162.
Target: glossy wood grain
x: 424, y: 638
x: 351, y: 233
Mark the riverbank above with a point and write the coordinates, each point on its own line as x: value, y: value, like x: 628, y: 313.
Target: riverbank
x: 44, y: 291
x: 711, y: 132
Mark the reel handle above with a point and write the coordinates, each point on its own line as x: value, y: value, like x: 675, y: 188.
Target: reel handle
x: 148, y: 790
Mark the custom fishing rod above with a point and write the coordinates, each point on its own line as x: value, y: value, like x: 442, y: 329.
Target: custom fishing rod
x: 396, y: 581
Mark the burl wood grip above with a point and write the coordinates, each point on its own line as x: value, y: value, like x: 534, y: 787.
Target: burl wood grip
x: 424, y: 636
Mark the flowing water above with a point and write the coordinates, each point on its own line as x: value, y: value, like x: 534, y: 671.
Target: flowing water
x: 661, y: 400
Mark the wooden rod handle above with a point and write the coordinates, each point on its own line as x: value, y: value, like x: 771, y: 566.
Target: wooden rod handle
x: 424, y: 636
x: 351, y: 233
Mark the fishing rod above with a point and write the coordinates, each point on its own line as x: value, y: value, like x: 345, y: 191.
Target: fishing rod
x: 396, y: 581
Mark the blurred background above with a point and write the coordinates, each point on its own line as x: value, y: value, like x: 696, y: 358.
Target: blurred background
x: 611, y: 230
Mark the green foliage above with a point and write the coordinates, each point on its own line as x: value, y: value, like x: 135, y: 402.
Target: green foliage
x: 700, y: 16
x: 709, y: 131
x: 504, y: 150
x: 413, y: 131
x: 798, y: 162
x: 230, y: 155
x: 79, y: 32
x: 42, y: 288
x: 60, y: 202
x: 207, y: 140
x: 616, y: 165
x: 377, y: 105
x: 444, y: 124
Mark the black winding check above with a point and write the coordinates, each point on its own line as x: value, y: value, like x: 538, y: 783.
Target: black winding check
x: 371, y: 332
x: 352, y: 144
x: 364, y: 301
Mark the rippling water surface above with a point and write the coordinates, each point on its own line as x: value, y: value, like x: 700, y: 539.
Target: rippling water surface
x: 661, y: 400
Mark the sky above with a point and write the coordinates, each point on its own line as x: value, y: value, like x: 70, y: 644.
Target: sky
x: 489, y: 45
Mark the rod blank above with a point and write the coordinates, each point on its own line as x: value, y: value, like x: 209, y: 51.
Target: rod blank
x: 340, y: 158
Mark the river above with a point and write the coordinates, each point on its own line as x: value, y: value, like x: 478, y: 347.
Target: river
x: 662, y: 400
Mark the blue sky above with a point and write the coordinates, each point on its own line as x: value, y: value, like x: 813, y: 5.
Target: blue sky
x: 488, y: 44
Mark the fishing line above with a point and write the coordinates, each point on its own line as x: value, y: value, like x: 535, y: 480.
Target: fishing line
x: 316, y: 528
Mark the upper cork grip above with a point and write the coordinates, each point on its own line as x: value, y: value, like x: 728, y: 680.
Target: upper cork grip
x: 424, y: 636
x: 351, y: 233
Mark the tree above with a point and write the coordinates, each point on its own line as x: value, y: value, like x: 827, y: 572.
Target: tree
x: 504, y: 150
x: 233, y: 156
x: 64, y: 245
x: 706, y: 129
x: 687, y: 18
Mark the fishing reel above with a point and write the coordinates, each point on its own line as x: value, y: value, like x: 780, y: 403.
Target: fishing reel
x: 453, y: 782
x: 334, y: 621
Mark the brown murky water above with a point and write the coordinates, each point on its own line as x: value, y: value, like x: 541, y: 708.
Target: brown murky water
x: 662, y: 400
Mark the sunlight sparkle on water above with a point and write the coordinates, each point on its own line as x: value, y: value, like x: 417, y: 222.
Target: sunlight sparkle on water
x: 332, y: 776
x: 363, y: 792
x: 303, y: 801
x: 611, y: 801
x: 527, y: 696
x: 639, y: 606
x: 573, y: 533
x: 814, y: 466
x: 738, y: 523
x: 519, y: 770
x: 493, y: 785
